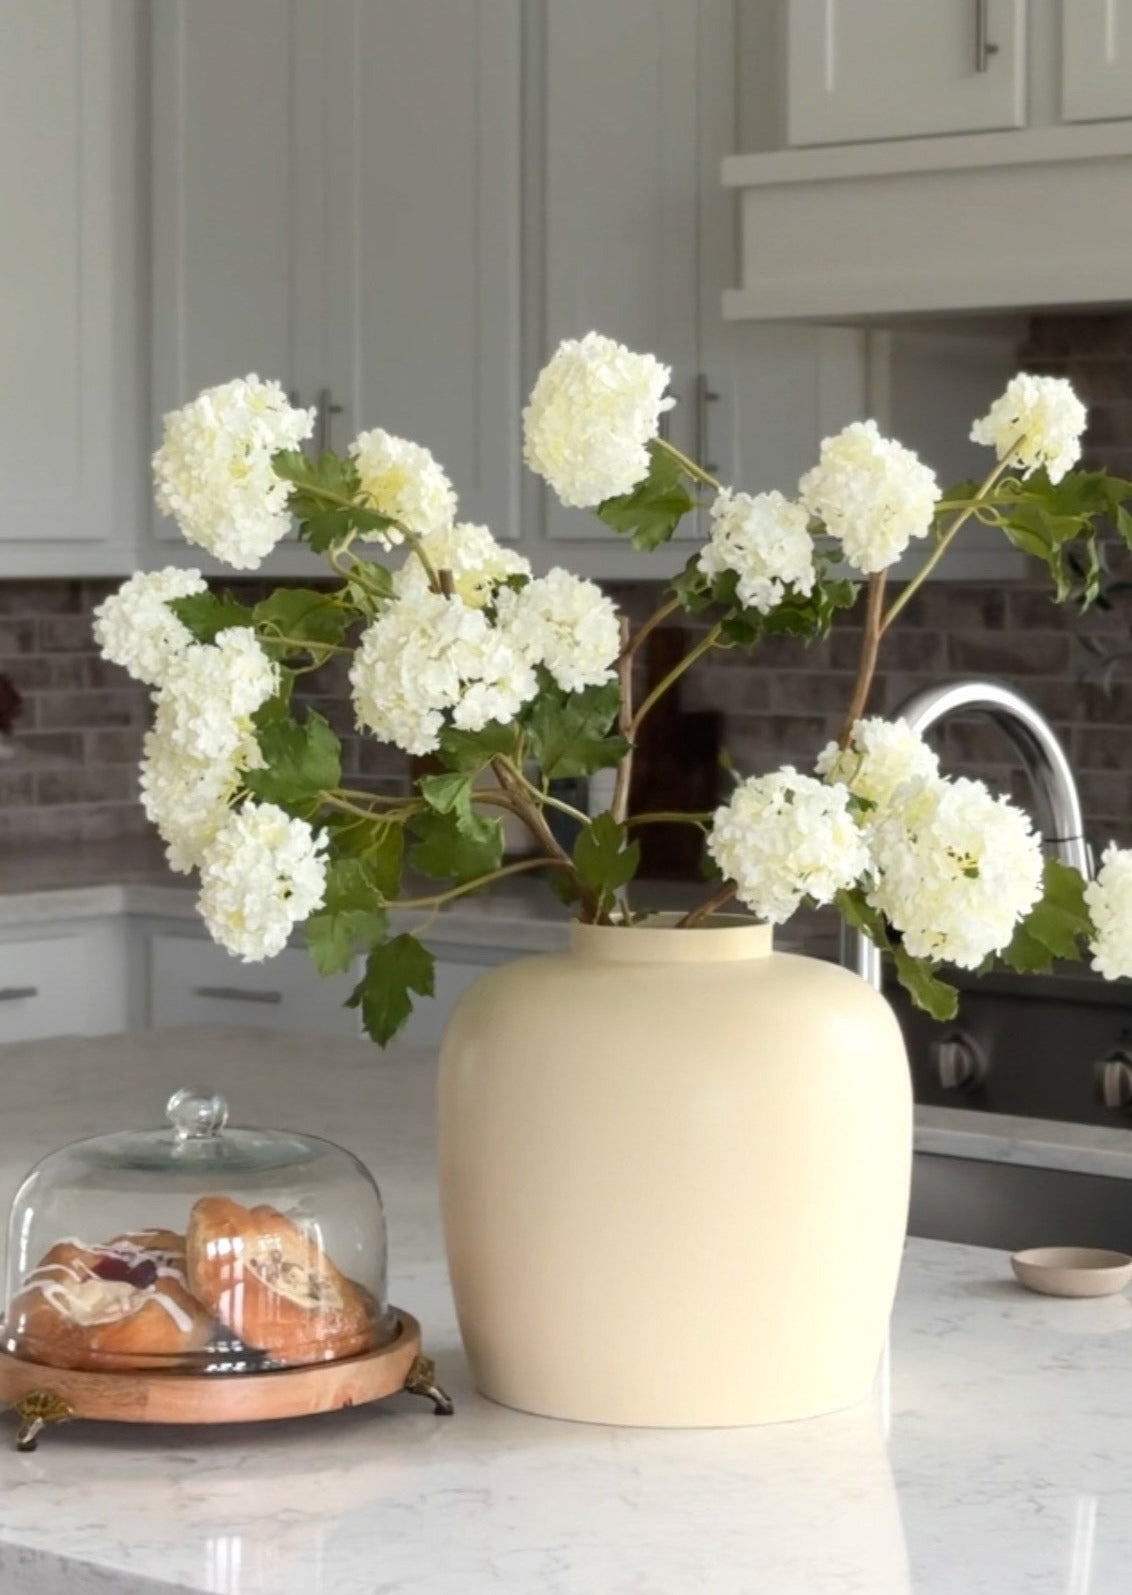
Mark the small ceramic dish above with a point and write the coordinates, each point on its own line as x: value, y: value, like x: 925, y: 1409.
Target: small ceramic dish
x: 1072, y: 1270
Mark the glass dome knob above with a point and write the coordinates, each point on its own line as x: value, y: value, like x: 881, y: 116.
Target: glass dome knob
x: 195, y: 1111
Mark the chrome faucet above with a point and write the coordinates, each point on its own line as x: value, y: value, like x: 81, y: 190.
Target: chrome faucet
x: 1055, y: 790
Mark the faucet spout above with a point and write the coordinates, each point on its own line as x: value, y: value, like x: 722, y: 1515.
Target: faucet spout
x: 1056, y: 797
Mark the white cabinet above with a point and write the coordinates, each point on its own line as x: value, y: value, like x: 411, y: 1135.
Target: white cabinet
x: 336, y: 205
x: 72, y: 274
x: 876, y: 69
x: 64, y: 980
x: 1096, y: 60
x: 192, y: 981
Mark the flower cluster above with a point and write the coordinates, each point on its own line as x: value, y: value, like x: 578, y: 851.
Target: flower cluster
x: 565, y: 624
x: 878, y: 759
x: 477, y: 564
x: 766, y: 541
x: 1037, y: 422
x: 263, y: 874
x: 872, y: 494
x: 402, y: 480
x: 593, y: 411
x: 785, y: 837
x: 135, y: 627
x: 1109, y: 900
x: 214, y: 470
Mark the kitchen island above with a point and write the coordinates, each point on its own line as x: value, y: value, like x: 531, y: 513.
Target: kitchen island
x: 994, y: 1456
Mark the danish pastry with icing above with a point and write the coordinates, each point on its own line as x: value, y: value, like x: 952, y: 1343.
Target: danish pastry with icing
x: 273, y: 1285
x: 123, y: 1305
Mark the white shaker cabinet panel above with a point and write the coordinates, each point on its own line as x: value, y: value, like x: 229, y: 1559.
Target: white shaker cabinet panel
x: 64, y: 982
x: 195, y: 982
x: 72, y: 420
x: 1096, y: 60
x: 422, y: 287
x: 621, y: 202
x: 238, y: 237
x: 879, y: 69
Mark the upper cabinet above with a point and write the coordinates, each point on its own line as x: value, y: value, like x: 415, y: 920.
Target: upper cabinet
x: 934, y: 142
x: 72, y: 402
x: 875, y: 69
x: 1096, y: 60
x: 336, y: 205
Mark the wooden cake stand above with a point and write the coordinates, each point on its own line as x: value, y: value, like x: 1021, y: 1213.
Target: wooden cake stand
x: 42, y: 1396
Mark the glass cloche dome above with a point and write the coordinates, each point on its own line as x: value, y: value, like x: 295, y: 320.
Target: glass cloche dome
x: 196, y: 1248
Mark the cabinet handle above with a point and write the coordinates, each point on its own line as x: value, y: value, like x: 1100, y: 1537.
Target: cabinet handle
x: 700, y: 445
x: 237, y: 994
x: 984, y: 49
x: 17, y: 993
x: 664, y: 423
x: 325, y: 409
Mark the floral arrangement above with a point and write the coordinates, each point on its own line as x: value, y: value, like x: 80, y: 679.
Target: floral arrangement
x: 509, y: 680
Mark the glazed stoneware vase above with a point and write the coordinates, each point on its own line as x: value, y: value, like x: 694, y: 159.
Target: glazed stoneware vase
x: 675, y: 1168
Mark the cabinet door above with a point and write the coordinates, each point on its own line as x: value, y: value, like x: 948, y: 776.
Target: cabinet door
x: 876, y: 69
x: 237, y: 259
x: 1096, y: 60
x: 72, y: 396
x: 194, y: 982
x: 620, y: 208
x: 422, y: 287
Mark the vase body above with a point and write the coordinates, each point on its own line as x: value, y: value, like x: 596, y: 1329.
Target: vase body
x: 675, y: 1169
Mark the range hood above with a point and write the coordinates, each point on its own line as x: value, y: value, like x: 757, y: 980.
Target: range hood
x: 969, y: 223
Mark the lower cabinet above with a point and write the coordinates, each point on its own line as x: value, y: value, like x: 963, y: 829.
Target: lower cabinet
x: 192, y: 981
x: 64, y: 980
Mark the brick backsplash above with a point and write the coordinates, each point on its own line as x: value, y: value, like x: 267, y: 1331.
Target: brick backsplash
x: 80, y: 731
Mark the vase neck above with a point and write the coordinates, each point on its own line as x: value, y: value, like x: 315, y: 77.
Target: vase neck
x: 658, y: 941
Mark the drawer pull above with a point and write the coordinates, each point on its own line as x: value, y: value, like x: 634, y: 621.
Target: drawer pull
x: 236, y: 994
x: 17, y: 993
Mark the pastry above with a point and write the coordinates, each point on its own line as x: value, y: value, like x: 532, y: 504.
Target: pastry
x: 117, y: 1306
x: 273, y: 1285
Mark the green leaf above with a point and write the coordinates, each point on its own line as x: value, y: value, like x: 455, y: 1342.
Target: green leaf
x: 448, y: 792
x: 604, y: 857
x: 926, y: 990
x: 568, y: 731
x: 351, y: 916
x: 379, y: 843
x: 449, y: 850
x: 393, y: 970
x: 324, y: 498
x: 208, y: 614
x: 473, y: 751
x: 1057, y: 926
x: 300, y: 762
x: 656, y: 506
x: 311, y: 619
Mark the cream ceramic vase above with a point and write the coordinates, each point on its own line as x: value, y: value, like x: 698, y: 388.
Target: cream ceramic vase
x: 674, y: 1174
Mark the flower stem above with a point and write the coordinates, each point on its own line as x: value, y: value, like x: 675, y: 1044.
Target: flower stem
x: 869, y: 648
x: 690, y: 466
x: 334, y: 800
x: 656, y: 619
x: 718, y: 899
x: 706, y: 643
x: 441, y: 898
x: 543, y: 798
x: 673, y: 817
x: 945, y: 541
x: 619, y: 807
x: 530, y: 812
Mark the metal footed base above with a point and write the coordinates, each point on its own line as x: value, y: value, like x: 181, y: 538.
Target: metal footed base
x: 422, y: 1382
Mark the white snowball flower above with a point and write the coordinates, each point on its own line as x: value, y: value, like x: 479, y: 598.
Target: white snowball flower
x: 1037, y: 421
x: 262, y: 874
x: 213, y: 470
x: 477, y: 563
x: 426, y: 655
x: 565, y: 623
x: 402, y: 479
x: 187, y: 798
x: 592, y: 413
x: 1109, y: 901
x: 766, y: 541
x: 954, y: 869
x: 872, y: 494
x: 784, y: 837
x: 135, y: 627
x: 881, y: 757
x: 206, y: 705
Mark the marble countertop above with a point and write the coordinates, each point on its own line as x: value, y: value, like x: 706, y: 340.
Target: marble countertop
x: 992, y: 1458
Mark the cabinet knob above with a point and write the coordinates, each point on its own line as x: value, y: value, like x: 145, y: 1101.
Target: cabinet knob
x: 325, y: 409
x: 959, y: 1062
x: 1112, y: 1078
